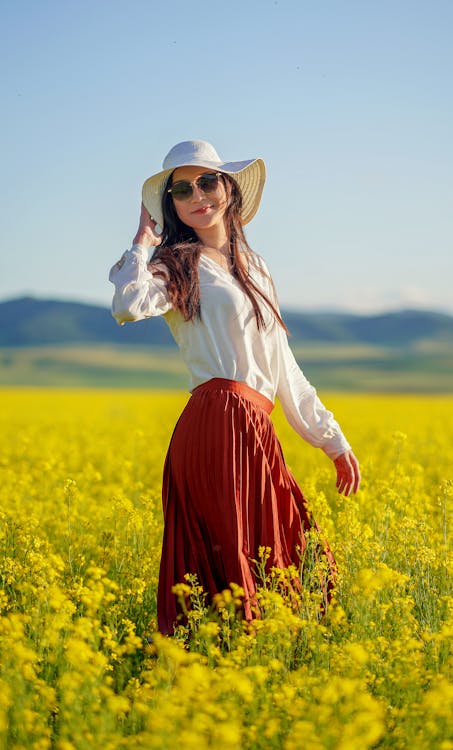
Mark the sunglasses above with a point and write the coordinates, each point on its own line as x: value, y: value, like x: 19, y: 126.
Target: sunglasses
x: 183, y: 189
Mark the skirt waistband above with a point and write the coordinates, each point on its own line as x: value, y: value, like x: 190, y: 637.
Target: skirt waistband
x: 234, y: 386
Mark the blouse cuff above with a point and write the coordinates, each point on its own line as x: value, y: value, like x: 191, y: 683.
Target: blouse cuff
x: 140, y: 252
x: 336, y: 447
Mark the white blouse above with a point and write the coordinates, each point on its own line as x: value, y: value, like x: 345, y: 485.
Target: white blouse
x: 226, y: 341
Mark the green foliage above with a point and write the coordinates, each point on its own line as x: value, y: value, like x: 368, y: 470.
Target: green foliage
x: 346, y: 367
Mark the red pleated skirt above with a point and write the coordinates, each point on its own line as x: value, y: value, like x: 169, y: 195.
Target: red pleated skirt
x: 226, y: 493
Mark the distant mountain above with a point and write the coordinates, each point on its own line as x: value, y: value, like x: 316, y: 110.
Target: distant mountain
x: 34, y: 322
x: 402, y: 328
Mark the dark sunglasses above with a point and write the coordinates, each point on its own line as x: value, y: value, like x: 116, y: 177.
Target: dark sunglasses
x: 183, y: 189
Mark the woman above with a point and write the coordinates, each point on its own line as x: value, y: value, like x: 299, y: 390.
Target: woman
x: 226, y: 489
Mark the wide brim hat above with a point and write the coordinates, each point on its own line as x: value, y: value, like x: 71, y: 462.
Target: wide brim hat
x: 250, y: 175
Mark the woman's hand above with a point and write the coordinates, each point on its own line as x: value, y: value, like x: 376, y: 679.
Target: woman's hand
x: 348, y: 473
x: 146, y: 232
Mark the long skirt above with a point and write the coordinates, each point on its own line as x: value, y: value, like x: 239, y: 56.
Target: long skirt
x: 226, y: 493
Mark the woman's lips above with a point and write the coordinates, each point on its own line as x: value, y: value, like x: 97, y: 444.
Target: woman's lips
x: 202, y: 210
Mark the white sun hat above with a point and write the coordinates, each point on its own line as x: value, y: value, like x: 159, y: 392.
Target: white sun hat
x: 249, y: 175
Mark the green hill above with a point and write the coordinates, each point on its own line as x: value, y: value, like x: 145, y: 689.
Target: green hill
x: 33, y: 322
x: 54, y: 343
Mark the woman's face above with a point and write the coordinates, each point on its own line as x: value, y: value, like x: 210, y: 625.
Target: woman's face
x: 202, y: 210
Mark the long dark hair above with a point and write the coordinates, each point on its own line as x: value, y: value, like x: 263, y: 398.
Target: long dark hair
x: 180, y: 250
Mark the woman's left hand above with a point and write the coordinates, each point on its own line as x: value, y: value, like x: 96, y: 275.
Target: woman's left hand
x: 348, y: 473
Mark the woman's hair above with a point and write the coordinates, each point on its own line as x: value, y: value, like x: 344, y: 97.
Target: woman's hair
x: 180, y: 250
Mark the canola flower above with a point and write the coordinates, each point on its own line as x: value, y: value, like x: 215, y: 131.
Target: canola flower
x: 80, y: 534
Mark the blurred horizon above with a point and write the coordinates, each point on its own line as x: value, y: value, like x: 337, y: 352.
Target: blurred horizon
x: 286, y: 308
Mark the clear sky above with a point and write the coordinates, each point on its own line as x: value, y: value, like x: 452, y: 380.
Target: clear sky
x: 349, y: 102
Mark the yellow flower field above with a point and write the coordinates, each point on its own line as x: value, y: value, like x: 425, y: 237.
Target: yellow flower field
x: 79, y: 551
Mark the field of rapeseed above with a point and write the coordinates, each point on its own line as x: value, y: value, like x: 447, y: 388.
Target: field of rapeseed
x: 80, y: 538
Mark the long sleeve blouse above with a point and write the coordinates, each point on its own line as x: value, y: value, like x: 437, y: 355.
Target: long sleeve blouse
x: 225, y: 341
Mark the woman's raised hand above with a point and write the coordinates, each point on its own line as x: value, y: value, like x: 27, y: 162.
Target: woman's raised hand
x: 348, y: 473
x: 146, y: 232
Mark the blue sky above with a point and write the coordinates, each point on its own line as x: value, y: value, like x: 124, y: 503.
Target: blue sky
x: 350, y: 103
